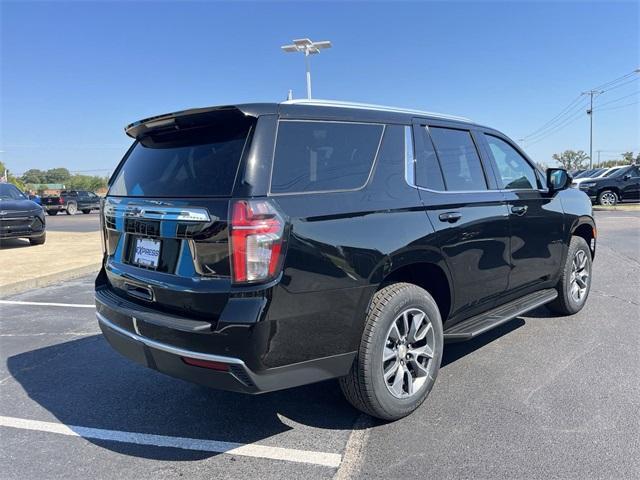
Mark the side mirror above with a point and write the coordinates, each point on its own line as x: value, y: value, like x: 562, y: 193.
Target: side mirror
x: 558, y: 179
x: 626, y: 177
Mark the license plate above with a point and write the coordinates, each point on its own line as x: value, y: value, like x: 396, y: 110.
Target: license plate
x: 146, y: 252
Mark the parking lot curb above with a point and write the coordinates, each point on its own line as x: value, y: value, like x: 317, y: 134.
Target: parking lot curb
x: 49, y: 279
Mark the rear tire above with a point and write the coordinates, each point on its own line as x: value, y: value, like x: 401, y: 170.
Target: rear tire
x: 608, y: 198
x: 575, y: 279
x: 52, y: 212
x: 399, y: 355
x: 72, y: 208
x: 38, y: 240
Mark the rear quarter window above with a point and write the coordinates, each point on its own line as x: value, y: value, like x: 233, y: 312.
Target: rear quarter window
x: 315, y: 156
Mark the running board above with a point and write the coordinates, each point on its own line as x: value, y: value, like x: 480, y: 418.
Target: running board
x: 474, y: 326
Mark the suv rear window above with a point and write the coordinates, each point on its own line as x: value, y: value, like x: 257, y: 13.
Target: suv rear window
x: 313, y: 156
x: 196, y: 162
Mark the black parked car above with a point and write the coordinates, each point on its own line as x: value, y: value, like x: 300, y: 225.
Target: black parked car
x: 20, y: 217
x: 264, y: 246
x: 624, y: 184
x: 72, y: 201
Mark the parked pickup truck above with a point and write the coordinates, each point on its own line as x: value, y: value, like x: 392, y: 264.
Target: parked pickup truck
x: 71, y: 201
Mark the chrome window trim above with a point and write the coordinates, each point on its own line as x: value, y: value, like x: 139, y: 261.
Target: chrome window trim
x: 410, y: 161
x: 409, y: 156
x: 371, y: 170
x: 167, y: 348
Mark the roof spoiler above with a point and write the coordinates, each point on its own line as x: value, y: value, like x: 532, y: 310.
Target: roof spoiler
x: 192, y: 118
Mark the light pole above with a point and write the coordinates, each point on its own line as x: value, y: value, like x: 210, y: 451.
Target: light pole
x: 307, y: 47
x: 591, y: 93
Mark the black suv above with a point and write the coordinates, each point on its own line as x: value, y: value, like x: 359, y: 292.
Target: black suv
x: 263, y: 246
x: 624, y: 184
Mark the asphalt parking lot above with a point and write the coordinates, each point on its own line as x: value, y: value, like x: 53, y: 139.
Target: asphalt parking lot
x: 541, y: 397
x: 74, y: 223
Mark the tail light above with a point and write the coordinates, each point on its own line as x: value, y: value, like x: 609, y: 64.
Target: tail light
x: 257, y: 231
x: 60, y: 200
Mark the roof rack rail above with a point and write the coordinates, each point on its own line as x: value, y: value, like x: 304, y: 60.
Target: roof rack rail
x: 369, y: 106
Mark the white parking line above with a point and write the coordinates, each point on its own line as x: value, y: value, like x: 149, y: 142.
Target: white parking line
x: 47, y: 304
x: 248, y: 450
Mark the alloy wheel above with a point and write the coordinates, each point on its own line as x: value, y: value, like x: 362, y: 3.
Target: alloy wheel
x: 579, y: 283
x: 408, y: 352
x: 608, y: 198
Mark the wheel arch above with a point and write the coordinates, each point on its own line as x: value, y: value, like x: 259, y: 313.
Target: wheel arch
x: 586, y: 228
x: 424, y: 268
x: 614, y: 189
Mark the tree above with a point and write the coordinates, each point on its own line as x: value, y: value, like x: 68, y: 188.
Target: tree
x: 33, y: 175
x: 627, y: 157
x: 85, y: 182
x: 10, y: 177
x: 56, y: 175
x: 571, y: 160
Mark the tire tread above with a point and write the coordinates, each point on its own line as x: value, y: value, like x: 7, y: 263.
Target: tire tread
x: 354, y: 387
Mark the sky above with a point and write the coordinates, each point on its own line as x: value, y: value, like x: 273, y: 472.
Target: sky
x: 73, y: 74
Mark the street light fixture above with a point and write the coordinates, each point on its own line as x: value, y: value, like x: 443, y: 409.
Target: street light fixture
x: 307, y: 47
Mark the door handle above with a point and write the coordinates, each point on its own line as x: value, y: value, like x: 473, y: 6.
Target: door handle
x: 450, y: 217
x: 519, y: 209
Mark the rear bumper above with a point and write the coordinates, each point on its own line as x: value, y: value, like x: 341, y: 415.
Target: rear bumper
x: 54, y: 208
x: 238, y: 376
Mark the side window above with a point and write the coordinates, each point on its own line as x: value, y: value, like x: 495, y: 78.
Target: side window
x: 315, y: 156
x: 513, y: 170
x: 427, y: 173
x: 459, y: 159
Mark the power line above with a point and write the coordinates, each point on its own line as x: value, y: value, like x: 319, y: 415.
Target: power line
x: 612, y: 82
x: 558, y: 119
x: 562, y: 112
x: 561, y: 126
x: 616, y: 107
x: 617, y: 99
x: 622, y: 84
x: 572, y: 112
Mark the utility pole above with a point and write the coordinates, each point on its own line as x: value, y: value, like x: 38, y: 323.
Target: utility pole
x: 591, y: 94
x: 307, y: 47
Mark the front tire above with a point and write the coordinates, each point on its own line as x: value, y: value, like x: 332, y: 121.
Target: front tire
x: 52, y: 212
x: 399, y: 355
x: 575, y: 279
x: 72, y: 208
x: 38, y: 240
x: 608, y: 198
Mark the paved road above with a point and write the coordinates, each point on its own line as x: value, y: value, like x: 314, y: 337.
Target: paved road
x: 74, y: 223
x: 541, y: 397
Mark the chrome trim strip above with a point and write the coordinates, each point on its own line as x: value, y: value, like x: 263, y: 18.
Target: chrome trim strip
x: 409, y: 156
x: 409, y: 173
x: 369, y: 106
x: 168, y: 348
x: 132, y: 210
